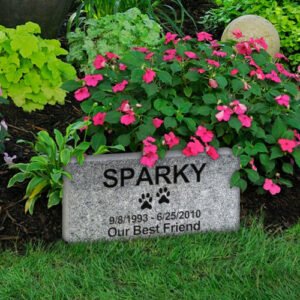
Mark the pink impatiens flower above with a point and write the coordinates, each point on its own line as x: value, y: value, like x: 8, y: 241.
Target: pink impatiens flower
x: 169, y: 37
x: 238, y: 108
x: 125, y: 107
x: 187, y: 38
x: 237, y: 33
x: 99, y: 118
x: 85, y: 118
x: 270, y: 186
x: 233, y: 72
x: 283, y: 100
x: 204, y: 36
x: 92, y: 80
x: 119, y: 87
x: 149, y: 76
x: 122, y: 67
x: 111, y: 55
x: 219, y: 53
x: 157, y: 122
x: 224, y: 114
x: 213, y: 83
x: 149, y: 55
x: 281, y: 56
x: 128, y: 118
x: 213, y: 63
x: 150, y: 156
x: 273, y: 76
x: 287, y: 145
x: 243, y: 48
x: 99, y: 62
x: 193, y: 148
x: 205, y: 134
x: 191, y: 55
x: 141, y: 49
x: 212, y: 152
x: 171, y: 139
x: 82, y: 94
x: 245, y: 120
x: 169, y: 54
x: 201, y: 71
x: 251, y: 163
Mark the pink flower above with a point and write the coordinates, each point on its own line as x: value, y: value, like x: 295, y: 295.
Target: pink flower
x: 141, y: 49
x: 99, y: 118
x: 251, y: 163
x: 212, y: 152
x: 111, y: 55
x: 171, y: 140
x: 237, y: 33
x: 157, y: 122
x: 246, y: 86
x: 224, y: 114
x: 99, y: 62
x: 125, y: 107
x: 82, y: 94
x: 245, y: 120
x: 243, y: 48
x: 258, y: 73
x: 149, y: 55
x: 215, y: 44
x: 281, y: 56
x: 149, y: 76
x: 119, y: 87
x: 213, y: 63
x: 273, y: 76
x: 170, y: 37
x: 287, y: 145
x: 193, y: 148
x: 169, y: 54
x: 234, y: 72
x: 187, y: 38
x: 92, y: 80
x: 238, y: 107
x: 219, y: 53
x: 283, y: 100
x: 204, y: 36
x: 122, y: 67
x: 150, y: 156
x: 213, y: 83
x: 205, y: 134
x: 128, y: 118
x: 270, y: 186
x: 191, y: 55
x: 201, y: 71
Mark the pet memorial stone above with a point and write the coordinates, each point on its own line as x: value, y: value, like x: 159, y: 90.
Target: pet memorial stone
x: 113, y: 196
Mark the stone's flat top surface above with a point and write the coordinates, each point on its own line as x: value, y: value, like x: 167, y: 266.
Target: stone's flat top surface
x: 114, y: 197
x: 256, y: 27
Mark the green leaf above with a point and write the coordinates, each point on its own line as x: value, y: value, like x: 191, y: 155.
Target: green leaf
x: 175, y: 67
x: 278, y: 129
x: 235, y: 123
x: 288, y: 168
x: 237, y: 85
x: 101, y: 150
x: 137, y: 75
x: 244, y: 160
x: 190, y: 123
x: 71, y: 85
x: 124, y: 139
x: 237, y: 150
x: 54, y: 199
x: 145, y: 130
x: 188, y: 91
x: 59, y: 138
x: 192, y: 76
x: 201, y: 110
x: 209, y: 99
x: 252, y: 175
x: 150, y: 89
x: 170, y: 122
x: 237, y: 181
x: 276, y: 152
x: 291, y: 88
x: 222, y: 81
x: 97, y: 140
x: 113, y: 117
x: 296, y: 155
x: 117, y: 147
x: 285, y: 182
x: 19, y: 177
x: 168, y: 110
x: 65, y: 156
x: 260, y: 148
x: 165, y: 77
x: 268, y: 164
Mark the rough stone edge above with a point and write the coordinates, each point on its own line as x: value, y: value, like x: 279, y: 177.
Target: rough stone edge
x: 136, y: 155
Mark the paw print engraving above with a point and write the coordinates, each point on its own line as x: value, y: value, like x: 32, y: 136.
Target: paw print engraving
x: 163, y: 194
x: 146, y: 201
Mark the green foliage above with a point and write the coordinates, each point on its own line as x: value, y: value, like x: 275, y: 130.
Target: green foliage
x: 30, y: 71
x: 182, y: 95
x: 45, y: 171
x: 283, y: 14
x: 112, y: 33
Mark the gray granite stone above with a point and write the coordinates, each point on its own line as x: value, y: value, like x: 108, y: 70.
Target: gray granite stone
x: 113, y: 197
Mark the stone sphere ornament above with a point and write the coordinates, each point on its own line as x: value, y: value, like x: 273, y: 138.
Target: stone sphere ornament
x: 255, y: 27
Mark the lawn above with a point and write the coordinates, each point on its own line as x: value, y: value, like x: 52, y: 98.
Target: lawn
x: 248, y: 264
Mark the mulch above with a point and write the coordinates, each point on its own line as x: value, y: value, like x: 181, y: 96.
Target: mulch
x: 18, y: 229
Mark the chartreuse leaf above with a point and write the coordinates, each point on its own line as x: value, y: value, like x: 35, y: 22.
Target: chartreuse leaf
x: 19, y: 177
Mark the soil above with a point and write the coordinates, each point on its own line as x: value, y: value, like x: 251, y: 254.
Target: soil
x: 18, y: 229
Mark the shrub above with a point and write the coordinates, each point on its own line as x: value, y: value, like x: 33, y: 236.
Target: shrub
x: 112, y: 33
x: 283, y: 14
x: 198, y: 96
x: 30, y: 71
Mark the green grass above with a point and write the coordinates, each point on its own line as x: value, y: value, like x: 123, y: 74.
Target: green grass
x: 247, y: 264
